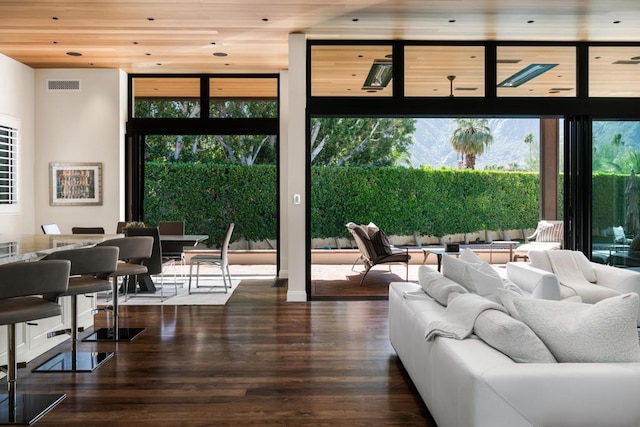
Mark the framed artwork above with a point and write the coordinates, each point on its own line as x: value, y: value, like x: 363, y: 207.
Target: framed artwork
x: 73, y: 184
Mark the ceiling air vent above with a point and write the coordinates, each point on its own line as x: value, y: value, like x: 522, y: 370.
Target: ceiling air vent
x: 508, y: 61
x: 63, y: 85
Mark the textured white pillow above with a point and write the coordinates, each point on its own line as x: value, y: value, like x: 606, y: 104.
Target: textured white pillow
x: 576, y: 332
x: 511, y: 337
x: 506, y: 299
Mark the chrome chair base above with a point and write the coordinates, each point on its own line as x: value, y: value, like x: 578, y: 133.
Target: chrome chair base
x: 79, y: 361
x: 26, y: 409
x: 119, y: 334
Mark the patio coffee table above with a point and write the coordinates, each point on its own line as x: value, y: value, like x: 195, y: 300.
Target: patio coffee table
x: 438, y: 251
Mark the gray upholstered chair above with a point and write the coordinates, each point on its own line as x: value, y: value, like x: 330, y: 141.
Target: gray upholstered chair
x: 173, y: 250
x: 21, y: 288
x: 132, y: 251
x: 221, y: 260
x: 90, y: 270
x: 87, y: 230
x: 156, y: 262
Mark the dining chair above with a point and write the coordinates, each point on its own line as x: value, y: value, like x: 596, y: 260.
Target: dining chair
x: 132, y: 251
x: 87, y: 230
x: 120, y: 227
x: 50, y: 229
x: 27, y: 292
x: 173, y: 250
x: 90, y: 270
x: 155, y: 263
x: 221, y: 260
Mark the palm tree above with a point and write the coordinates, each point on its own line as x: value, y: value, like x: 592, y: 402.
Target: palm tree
x: 470, y: 139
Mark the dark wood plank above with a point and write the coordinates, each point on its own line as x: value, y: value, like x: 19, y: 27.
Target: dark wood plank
x: 256, y: 361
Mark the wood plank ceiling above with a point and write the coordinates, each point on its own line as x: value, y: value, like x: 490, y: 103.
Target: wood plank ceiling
x: 251, y: 36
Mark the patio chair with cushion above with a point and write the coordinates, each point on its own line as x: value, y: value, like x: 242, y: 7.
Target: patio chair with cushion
x: 375, y: 249
x: 548, y: 235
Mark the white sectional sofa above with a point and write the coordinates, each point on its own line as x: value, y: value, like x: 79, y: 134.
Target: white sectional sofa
x: 467, y: 382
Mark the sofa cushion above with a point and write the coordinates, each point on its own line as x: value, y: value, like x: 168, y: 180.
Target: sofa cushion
x: 480, y: 279
x: 539, y: 259
x: 511, y: 337
x: 577, y: 332
x: 437, y: 286
x: 381, y: 244
x: 549, y: 231
x: 565, y: 265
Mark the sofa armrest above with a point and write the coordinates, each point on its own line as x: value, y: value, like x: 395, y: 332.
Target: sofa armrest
x: 622, y: 280
x: 538, y: 283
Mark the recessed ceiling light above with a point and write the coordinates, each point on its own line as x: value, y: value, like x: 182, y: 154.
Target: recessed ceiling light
x: 353, y: 75
x: 265, y: 19
x: 360, y: 56
x: 508, y: 61
x: 355, y: 20
x: 219, y: 54
x: 91, y: 63
x: 54, y: 42
x: 451, y: 21
x: 617, y: 22
x: 213, y: 42
x: 134, y: 42
x: 554, y: 91
x: 74, y: 54
x: 55, y: 18
x: 371, y: 91
x: 389, y: 56
x: 472, y: 57
x: 531, y: 21
x: 597, y: 57
x: 148, y: 54
x: 635, y: 58
x: 151, y: 19
x: 158, y: 63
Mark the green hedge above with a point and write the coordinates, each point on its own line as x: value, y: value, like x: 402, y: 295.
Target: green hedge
x: 403, y: 201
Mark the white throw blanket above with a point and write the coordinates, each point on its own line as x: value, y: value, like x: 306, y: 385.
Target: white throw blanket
x: 460, y: 316
x: 566, y: 268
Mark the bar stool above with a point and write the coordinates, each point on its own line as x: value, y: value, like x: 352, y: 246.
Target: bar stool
x: 21, y: 285
x: 90, y: 270
x: 133, y: 250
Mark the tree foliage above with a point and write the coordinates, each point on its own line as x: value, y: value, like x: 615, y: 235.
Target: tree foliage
x: 233, y: 149
x: 471, y: 138
x: 360, y: 141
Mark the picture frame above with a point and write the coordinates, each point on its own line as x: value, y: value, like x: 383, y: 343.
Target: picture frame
x: 75, y: 184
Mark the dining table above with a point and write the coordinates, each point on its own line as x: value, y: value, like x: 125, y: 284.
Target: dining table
x: 145, y: 282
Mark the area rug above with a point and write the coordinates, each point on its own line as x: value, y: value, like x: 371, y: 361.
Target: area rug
x: 210, y: 292
x: 375, y: 286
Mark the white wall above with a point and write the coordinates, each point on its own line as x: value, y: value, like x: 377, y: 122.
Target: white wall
x: 296, y: 168
x: 84, y: 126
x: 17, y: 101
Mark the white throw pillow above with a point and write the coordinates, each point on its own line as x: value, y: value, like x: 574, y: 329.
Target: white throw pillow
x: 469, y: 256
x: 480, y: 279
x: 576, y: 332
x: 437, y: 286
x: 511, y: 337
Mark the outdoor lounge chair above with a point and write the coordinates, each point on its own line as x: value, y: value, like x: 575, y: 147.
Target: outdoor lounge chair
x: 375, y: 248
x: 548, y: 235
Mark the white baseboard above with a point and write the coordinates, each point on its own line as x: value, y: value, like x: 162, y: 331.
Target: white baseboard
x: 296, y: 296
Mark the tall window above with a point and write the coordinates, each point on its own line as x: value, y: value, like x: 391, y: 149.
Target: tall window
x: 8, y: 164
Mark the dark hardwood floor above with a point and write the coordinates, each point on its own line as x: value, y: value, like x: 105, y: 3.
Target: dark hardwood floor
x: 256, y: 361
